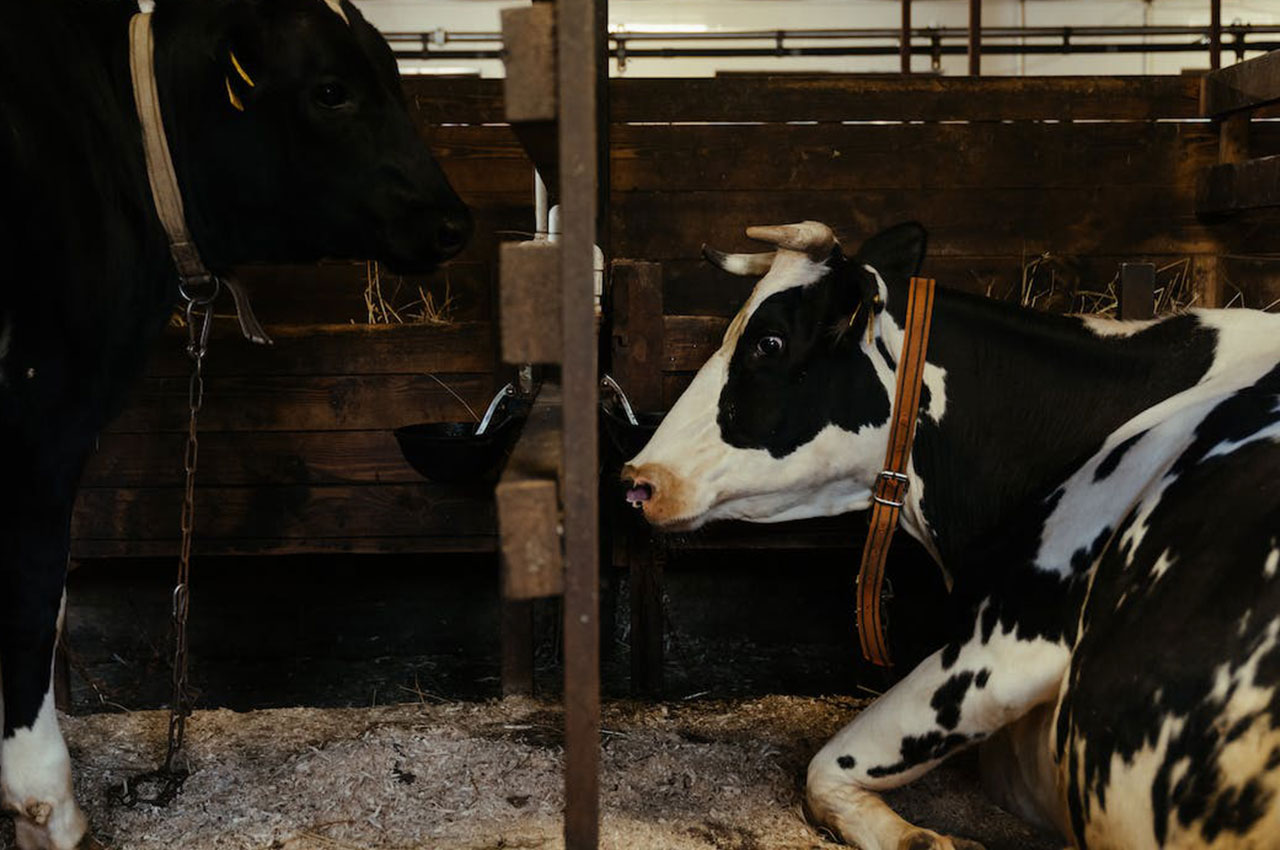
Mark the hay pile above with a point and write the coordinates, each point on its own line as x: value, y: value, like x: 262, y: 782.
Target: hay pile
x: 700, y: 774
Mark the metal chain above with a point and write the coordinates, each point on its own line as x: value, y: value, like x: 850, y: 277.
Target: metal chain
x: 165, y: 782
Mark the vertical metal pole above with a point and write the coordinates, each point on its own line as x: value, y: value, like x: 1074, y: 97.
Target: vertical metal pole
x: 975, y: 37
x: 905, y: 45
x: 577, y: 32
x: 1215, y: 34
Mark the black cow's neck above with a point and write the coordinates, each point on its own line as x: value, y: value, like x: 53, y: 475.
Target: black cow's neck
x: 1029, y: 396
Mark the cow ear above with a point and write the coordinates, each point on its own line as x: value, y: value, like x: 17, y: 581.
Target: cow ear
x: 896, y: 253
x: 240, y: 55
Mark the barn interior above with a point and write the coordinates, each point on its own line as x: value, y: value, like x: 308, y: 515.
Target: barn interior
x: 1061, y: 155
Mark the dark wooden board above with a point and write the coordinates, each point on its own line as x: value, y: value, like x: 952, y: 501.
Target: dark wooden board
x: 82, y: 548
x: 696, y: 288
x: 961, y: 222
x: 307, y: 350
x: 251, y: 458
x: 1247, y: 185
x: 1245, y: 85
x: 835, y: 97
x: 315, y: 403
x: 877, y: 156
x: 298, y: 512
x: 916, y: 98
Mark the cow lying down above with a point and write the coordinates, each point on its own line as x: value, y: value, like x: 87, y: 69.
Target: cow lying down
x: 1105, y: 497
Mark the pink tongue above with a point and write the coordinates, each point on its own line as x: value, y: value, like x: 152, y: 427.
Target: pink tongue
x: 637, y: 494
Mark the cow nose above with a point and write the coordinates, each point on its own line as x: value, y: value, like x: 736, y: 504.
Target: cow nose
x: 639, y: 491
x: 453, y: 233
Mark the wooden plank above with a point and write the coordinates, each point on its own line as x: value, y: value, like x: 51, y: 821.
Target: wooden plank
x: 306, y: 350
x: 1233, y: 138
x: 333, y: 293
x: 975, y: 37
x: 529, y: 521
x: 646, y: 570
x: 694, y: 287
x: 637, y: 342
x: 275, y: 546
x: 530, y: 302
x: 517, y: 648
x: 1245, y: 85
x: 690, y: 340
x: 1252, y: 184
x: 836, y: 97
x: 488, y: 160
x: 309, y: 403
x: 855, y: 158
x: 580, y: 37
x: 454, y: 100
x: 914, y: 98
x: 961, y: 222
x: 297, y: 512
x: 1137, y: 291
x: 529, y: 56
x: 251, y: 458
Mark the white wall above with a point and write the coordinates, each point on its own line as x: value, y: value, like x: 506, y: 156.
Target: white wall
x: 482, y: 15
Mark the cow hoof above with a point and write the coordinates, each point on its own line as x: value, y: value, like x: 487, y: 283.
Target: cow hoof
x: 41, y: 827
x: 923, y: 839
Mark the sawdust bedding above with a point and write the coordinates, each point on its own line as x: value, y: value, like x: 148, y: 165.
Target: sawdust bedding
x: 696, y: 775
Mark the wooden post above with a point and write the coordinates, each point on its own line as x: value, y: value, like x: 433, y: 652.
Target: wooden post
x: 1137, y: 291
x: 517, y: 647
x: 636, y: 363
x: 975, y: 37
x: 1215, y: 34
x: 904, y: 47
x: 577, y: 34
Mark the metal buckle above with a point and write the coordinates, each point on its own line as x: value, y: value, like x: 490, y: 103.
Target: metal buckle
x: 896, y: 478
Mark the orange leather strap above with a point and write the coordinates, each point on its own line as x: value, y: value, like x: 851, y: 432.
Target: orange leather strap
x: 890, y: 490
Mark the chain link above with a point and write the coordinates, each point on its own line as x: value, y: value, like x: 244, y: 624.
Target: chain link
x: 160, y: 786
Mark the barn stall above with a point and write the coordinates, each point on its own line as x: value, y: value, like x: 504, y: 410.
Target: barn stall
x: 1033, y: 189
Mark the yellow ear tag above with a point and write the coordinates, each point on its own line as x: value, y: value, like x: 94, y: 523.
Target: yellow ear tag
x: 231, y: 95
x: 244, y: 75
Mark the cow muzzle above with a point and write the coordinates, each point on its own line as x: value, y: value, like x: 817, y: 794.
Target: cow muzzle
x: 658, y: 494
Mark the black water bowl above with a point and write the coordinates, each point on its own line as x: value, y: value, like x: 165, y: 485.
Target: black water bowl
x: 626, y: 439
x: 452, y: 452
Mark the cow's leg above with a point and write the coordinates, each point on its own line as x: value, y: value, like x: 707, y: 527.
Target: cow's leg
x: 35, y: 768
x: 956, y: 697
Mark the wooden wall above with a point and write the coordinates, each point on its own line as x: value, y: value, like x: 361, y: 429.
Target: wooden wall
x: 296, y: 447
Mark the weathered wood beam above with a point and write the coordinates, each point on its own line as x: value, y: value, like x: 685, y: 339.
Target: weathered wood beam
x: 579, y: 29
x: 1252, y: 184
x: 529, y: 302
x: 529, y: 507
x: 1137, y: 291
x: 1245, y: 85
x: 975, y: 37
x: 904, y: 41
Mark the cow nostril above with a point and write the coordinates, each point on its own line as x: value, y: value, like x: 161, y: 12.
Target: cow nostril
x: 452, y: 234
x: 639, y: 492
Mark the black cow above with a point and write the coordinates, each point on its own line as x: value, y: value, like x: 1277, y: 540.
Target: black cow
x: 1104, y: 495
x: 300, y: 147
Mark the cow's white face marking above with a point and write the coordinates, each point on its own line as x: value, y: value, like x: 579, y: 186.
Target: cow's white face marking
x: 708, y: 479
x: 336, y: 6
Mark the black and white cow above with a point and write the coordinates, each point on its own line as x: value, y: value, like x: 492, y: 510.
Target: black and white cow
x: 1105, y: 497
x: 299, y: 147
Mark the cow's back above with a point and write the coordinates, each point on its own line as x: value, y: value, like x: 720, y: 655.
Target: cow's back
x: 1169, y: 727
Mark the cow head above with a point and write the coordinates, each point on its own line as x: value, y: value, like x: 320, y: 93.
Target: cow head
x: 292, y: 138
x: 789, y: 418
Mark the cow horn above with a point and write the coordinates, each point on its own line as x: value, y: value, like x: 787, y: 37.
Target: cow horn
x: 808, y: 237
x: 747, y: 265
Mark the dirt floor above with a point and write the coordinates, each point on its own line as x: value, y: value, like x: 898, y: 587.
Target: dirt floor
x: 691, y: 774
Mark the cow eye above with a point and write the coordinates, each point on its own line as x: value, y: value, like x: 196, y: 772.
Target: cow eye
x: 770, y: 345
x: 331, y: 95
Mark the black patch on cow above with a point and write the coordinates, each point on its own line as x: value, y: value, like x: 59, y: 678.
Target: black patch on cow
x: 1129, y: 673
x: 847, y: 762
x: 949, y: 697
x: 820, y: 378
x: 950, y: 654
x: 1113, y: 458
x: 1083, y: 558
x: 980, y: 680
x: 884, y: 352
x: 918, y: 749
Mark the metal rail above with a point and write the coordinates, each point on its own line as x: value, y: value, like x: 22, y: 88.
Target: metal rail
x: 928, y: 41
